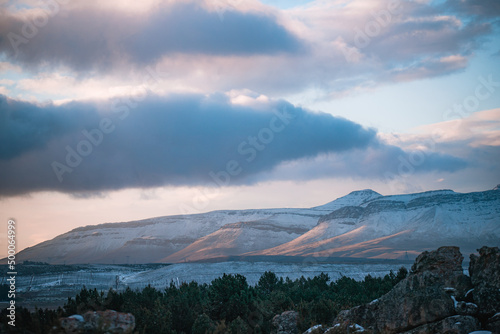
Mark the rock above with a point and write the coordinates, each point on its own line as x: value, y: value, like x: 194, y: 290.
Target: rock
x: 109, y: 322
x: 347, y: 328
x: 421, y: 298
x: 458, y: 324
x: 337, y: 329
x: 446, y: 263
x: 286, y: 322
x: 72, y: 324
x: 442, y: 261
x: 464, y: 308
x: 485, y: 276
x: 318, y: 329
x: 493, y: 323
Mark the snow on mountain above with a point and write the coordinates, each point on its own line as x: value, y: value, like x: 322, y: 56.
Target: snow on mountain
x: 148, y: 240
x: 235, y: 239
x: 361, y: 224
x: 392, y: 226
x: 355, y: 198
x: 152, y: 240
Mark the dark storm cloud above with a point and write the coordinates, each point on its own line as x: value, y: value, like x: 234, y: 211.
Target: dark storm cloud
x: 85, y: 147
x: 92, y: 38
x: 478, y: 8
x: 26, y: 127
x: 190, y: 29
x: 162, y: 141
x: 379, y: 161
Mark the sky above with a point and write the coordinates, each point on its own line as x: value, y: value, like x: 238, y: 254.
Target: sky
x: 126, y: 110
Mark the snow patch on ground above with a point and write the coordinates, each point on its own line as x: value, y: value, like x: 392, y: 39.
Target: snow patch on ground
x: 310, y: 330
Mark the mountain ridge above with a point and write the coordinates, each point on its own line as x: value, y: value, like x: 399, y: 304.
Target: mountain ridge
x: 362, y: 224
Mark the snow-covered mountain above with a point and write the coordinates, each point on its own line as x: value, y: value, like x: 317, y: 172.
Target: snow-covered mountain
x: 151, y: 240
x: 392, y: 226
x: 363, y: 224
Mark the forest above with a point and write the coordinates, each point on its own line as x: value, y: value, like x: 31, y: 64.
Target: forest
x: 227, y: 305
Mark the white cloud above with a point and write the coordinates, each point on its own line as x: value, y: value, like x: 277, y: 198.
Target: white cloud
x: 4, y: 91
x: 479, y: 129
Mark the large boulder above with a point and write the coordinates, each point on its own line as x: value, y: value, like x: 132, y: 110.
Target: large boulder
x: 286, y: 322
x: 484, y: 271
x: 429, y: 294
x: 445, y: 264
x: 73, y: 324
x: 441, y: 261
x: 108, y: 322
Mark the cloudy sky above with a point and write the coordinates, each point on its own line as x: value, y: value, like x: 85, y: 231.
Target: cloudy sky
x: 124, y: 110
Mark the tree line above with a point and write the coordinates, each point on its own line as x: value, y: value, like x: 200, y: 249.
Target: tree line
x: 227, y: 305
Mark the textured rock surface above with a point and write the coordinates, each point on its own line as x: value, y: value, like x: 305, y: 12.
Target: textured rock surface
x: 485, y: 276
x: 493, y: 323
x: 72, y: 324
x: 441, y: 261
x: 435, y: 298
x: 464, y: 308
x: 318, y: 329
x: 286, y: 322
x: 421, y: 298
x: 109, y: 322
x: 347, y: 328
x: 446, y: 265
x: 458, y: 324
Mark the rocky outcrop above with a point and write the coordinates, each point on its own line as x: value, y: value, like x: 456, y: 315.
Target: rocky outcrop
x: 286, y: 322
x: 457, y: 324
x: 435, y: 298
x: 484, y: 271
x: 72, y: 324
x: 109, y: 322
x: 493, y: 323
x: 422, y: 298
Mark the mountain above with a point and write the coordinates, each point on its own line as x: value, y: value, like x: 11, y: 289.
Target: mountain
x: 355, y: 198
x: 362, y: 224
x: 151, y: 240
x: 393, y: 226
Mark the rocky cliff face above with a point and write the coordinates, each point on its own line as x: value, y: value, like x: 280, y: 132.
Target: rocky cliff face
x: 435, y: 298
x: 485, y: 276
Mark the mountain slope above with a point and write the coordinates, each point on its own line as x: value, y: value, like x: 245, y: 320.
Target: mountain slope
x: 235, y: 239
x: 391, y: 226
x: 143, y: 241
x: 361, y: 224
x: 355, y: 198
x: 152, y: 240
